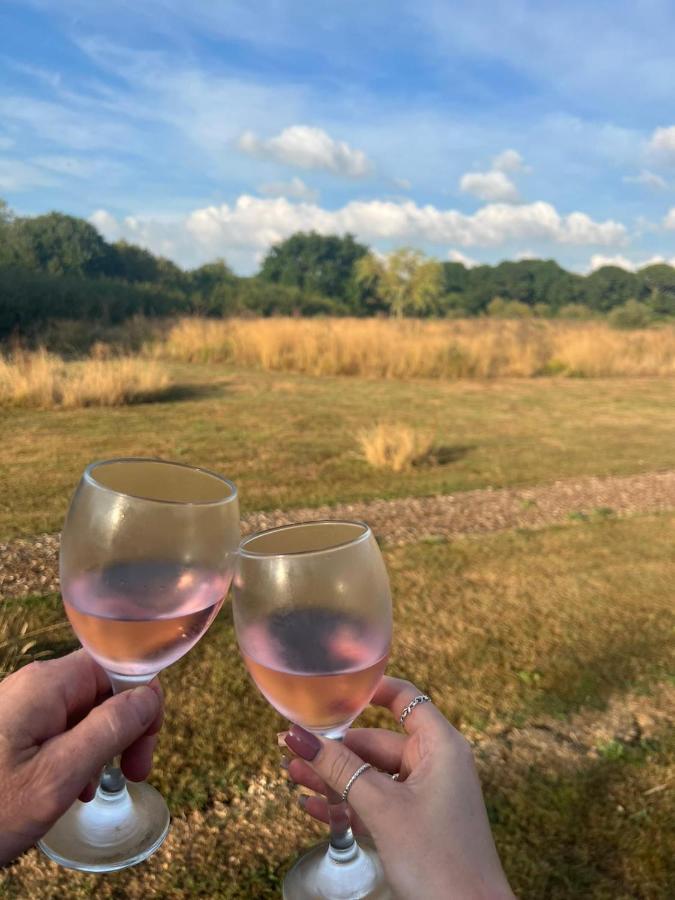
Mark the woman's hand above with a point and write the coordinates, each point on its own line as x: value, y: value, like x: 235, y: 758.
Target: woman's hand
x: 58, y: 727
x: 430, y: 827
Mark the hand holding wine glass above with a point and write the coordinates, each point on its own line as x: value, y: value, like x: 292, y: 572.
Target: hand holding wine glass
x: 429, y: 825
x: 58, y: 727
x: 312, y: 612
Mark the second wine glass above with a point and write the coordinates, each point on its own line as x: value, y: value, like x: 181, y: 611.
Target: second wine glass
x: 312, y: 612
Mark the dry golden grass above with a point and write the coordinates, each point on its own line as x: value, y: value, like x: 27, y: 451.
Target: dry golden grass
x: 393, y: 446
x: 43, y: 380
x: 379, y: 348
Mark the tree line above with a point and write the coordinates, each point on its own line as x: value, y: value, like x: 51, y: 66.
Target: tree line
x: 56, y: 266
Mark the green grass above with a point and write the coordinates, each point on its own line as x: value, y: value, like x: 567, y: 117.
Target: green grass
x: 502, y: 629
x: 292, y: 440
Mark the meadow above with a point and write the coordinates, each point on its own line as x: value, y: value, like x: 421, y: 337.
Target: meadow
x: 551, y: 648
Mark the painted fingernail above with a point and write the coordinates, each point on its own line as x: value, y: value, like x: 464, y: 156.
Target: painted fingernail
x: 302, y: 801
x: 285, y: 762
x: 303, y: 743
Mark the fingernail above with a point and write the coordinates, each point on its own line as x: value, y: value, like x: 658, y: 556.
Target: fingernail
x: 285, y: 762
x: 302, y: 801
x: 145, y: 702
x: 281, y: 739
x: 303, y: 743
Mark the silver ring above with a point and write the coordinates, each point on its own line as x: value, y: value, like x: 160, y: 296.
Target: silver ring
x: 396, y: 776
x: 359, y: 771
x: 421, y: 698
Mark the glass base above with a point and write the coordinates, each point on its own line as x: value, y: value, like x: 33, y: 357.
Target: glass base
x: 113, y: 831
x: 319, y: 876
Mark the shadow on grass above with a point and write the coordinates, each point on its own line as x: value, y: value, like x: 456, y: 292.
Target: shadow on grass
x: 444, y: 455
x: 592, y: 833
x: 176, y: 393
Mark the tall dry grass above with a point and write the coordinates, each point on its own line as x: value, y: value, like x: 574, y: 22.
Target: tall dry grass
x: 46, y: 381
x: 379, y: 348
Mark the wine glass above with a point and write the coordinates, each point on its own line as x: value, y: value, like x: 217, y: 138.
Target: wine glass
x: 147, y: 555
x: 312, y: 613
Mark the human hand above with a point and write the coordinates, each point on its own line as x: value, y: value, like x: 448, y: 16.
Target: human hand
x: 58, y: 727
x: 430, y: 827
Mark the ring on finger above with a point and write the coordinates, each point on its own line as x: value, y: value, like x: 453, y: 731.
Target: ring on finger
x: 357, y: 774
x: 420, y: 698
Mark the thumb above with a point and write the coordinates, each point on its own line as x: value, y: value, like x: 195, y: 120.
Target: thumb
x: 335, y: 764
x: 77, y: 756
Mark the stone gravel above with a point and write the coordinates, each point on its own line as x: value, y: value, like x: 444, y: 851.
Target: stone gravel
x: 30, y: 565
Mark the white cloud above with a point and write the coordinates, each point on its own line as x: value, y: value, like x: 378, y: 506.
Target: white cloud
x: 459, y: 257
x: 598, y: 261
x: 491, y: 186
x: 509, y: 161
x: 106, y: 224
x: 307, y: 148
x: 295, y: 189
x: 648, y: 179
x: 669, y: 219
x: 662, y: 144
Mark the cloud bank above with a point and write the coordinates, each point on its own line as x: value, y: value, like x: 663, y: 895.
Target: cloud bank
x: 243, y: 229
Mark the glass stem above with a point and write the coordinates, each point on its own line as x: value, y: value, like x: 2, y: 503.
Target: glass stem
x: 342, y: 845
x: 112, y: 780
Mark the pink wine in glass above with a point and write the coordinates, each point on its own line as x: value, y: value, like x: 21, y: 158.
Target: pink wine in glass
x: 136, y: 619
x: 317, y: 667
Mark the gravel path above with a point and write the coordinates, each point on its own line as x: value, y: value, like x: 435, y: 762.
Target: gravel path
x: 30, y: 565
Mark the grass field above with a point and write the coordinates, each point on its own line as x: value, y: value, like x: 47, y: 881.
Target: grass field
x: 552, y: 649
x: 292, y: 440
x: 507, y: 631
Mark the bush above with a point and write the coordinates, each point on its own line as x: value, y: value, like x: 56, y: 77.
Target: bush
x: 575, y: 311
x: 498, y: 308
x: 632, y: 314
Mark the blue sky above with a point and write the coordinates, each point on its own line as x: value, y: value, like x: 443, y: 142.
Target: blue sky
x: 484, y: 132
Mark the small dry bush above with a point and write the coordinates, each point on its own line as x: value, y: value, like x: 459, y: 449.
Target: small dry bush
x: 46, y: 381
x: 377, y: 348
x: 393, y: 446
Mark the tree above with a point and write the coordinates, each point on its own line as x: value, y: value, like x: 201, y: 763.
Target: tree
x: 132, y: 263
x: 59, y: 245
x: 659, y: 281
x: 319, y: 264
x: 611, y: 286
x: 406, y: 281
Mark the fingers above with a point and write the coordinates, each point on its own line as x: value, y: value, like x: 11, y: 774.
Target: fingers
x: 395, y: 694
x: 68, y: 762
x: 54, y: 692
x: 335, y: 763
x: 137, y: 759
x: 382, y: 749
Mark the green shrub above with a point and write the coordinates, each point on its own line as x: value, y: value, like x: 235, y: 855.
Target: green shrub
x: 632, y: 314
